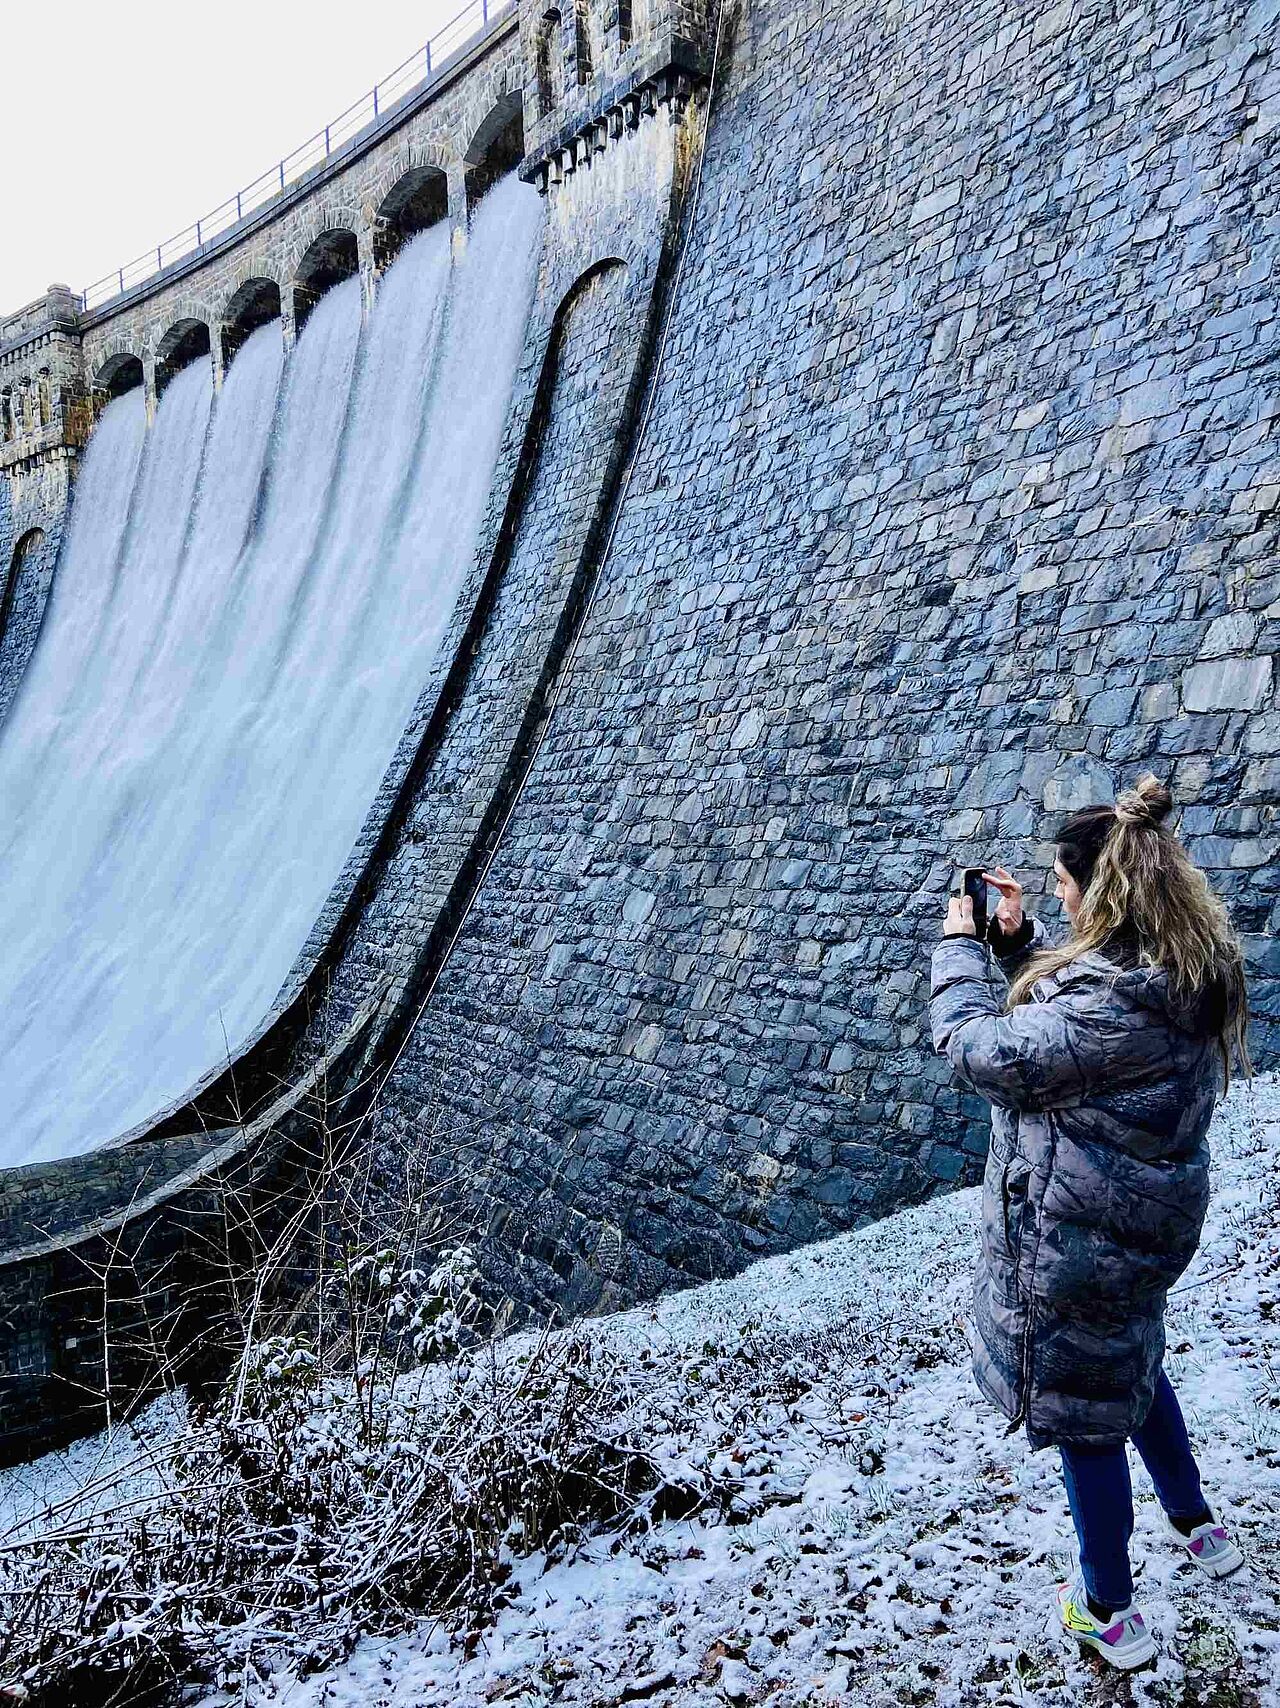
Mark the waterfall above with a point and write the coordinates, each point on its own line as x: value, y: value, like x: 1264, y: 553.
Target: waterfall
x: 249, y: 603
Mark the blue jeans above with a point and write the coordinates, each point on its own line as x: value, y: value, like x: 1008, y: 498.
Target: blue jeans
x: 1100, y: 1495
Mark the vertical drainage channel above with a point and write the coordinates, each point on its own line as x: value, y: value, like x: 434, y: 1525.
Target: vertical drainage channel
x: 393, y: 1036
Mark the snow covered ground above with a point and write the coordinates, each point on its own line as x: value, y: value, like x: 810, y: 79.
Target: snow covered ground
x: 882, y: 1541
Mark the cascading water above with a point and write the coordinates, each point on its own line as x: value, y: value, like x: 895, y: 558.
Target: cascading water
x: 246, y: 611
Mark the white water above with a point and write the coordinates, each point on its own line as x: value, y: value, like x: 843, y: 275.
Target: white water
x: 246, y: 611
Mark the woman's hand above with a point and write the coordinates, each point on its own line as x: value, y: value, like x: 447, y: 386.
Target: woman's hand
x: 1008, y: 914
x: 959, y: 920
x: 1009, y: 909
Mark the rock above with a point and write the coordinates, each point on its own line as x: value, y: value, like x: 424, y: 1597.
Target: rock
x: 1231, y: 684
x: 1080, y: 782
x: 737, y: 1682
x: 1236, y: 632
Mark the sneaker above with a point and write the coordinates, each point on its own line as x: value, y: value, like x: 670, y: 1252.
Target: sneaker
x: 1123, y: 1641
x: 1210, y: 1547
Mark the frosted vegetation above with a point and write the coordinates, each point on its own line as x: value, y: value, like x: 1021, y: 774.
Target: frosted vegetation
x: 779, y: 1489
x: 248, y: 606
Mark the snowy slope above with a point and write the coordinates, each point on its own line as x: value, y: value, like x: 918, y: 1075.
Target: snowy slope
x: 879, y: 1539
x: 896, y: 1547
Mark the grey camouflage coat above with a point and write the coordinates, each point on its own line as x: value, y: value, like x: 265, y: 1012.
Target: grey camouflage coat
x: 1096, y: 1184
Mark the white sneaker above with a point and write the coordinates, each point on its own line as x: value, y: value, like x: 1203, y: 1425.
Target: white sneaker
x: 1210, y: 1547
x: 1124, y: 1641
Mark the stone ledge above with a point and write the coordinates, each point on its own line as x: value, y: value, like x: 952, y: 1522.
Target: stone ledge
x: 665, y: 73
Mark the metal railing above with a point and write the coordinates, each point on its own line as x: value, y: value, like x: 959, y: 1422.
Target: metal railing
x: 416, y: 70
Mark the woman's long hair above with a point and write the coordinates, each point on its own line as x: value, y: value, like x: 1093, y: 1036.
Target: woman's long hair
x: 1138, y: 884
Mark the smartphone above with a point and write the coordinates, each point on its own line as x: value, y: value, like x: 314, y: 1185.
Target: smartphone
x: 974, y: 885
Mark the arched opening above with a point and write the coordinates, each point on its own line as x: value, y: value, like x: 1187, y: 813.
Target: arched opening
x: 418, y: 200
x: 496, y: 149
x: 333, y: 257
x: 185, y: 342
x: 255, y: 304
x: 117, y: 375
x: 27, y: 547
x: 550, y: 61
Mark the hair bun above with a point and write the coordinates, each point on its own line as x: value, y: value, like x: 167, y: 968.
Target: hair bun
x: 1147, y: 803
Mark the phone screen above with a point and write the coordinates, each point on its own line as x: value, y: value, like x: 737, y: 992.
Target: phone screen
x: 974, y: 885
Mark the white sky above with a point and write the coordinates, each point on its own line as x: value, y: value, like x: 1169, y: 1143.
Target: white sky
x: 126, y: 121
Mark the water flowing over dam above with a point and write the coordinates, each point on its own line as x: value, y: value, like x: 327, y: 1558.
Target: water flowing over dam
x: 251, y: 595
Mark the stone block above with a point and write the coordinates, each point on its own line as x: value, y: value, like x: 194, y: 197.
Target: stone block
x: 1079, y: 782
x: 1229, y: 684
x: 1235, y: 632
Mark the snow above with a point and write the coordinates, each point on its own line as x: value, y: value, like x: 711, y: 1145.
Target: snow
x: 92, y: 1475
x: 879, y: 1539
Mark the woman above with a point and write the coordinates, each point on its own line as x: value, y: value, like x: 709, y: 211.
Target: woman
x: 1102, y: 1061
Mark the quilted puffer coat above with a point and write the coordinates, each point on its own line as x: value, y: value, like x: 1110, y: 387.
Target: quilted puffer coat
x: 1097, y: 1178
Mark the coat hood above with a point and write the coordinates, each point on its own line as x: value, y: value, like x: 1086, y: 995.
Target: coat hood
x: 1201, y: 1015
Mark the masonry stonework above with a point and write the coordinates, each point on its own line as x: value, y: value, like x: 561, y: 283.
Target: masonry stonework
x: 44, y: 421
x: 958, y: 507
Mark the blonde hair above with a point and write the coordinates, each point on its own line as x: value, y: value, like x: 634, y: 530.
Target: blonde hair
x: 1139, y: 880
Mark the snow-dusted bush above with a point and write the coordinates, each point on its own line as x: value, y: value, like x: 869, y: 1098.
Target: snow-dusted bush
x: 375, y: 1454
x: 303, y: 1510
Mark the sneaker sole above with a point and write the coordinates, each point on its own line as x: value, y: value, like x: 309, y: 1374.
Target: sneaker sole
x: 1123, y: 1663
x: 1224, y: 1568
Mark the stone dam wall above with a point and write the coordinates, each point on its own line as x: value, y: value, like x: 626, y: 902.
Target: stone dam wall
x: 956, y: 503
x: 960, y: 505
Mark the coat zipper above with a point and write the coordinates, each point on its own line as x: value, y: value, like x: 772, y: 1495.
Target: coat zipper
x: 1026, y: 1376
x: 1026, y: 1332
x: 1027, y: 1336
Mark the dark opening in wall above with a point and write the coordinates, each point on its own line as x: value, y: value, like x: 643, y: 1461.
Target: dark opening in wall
x: 582, y: 40
x: 185, y: 342
x: 496, y: 149
x: 550, y: 61
x: 6, y: 417
x: 116, y: 376
x: 333, y: 257
x: 624, y: 23
x: 419, y: 200
x: 255, y: 304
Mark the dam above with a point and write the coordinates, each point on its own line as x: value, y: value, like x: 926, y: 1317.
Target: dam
x: 530, y: 613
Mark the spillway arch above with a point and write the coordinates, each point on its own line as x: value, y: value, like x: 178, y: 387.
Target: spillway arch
x: 25, y: 548
x: 326, y: 256
x: 411, y: 196
x: 119, y: 372
x: 496, y: 147
x: 186, y: 341
x: 255, y: 303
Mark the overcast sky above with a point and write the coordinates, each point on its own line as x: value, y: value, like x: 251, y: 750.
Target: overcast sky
x: 124, y: 122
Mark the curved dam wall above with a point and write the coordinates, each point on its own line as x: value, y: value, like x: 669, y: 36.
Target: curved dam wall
x: 876, y: 487
x: 958, y: 506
